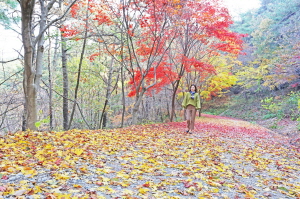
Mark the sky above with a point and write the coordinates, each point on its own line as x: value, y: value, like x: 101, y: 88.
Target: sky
x: 9, y: 40
x: 237, y: 7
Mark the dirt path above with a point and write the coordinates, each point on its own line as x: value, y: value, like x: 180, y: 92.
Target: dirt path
x: 225, y: 158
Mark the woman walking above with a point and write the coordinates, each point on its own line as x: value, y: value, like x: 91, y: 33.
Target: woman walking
x: 191, y: 103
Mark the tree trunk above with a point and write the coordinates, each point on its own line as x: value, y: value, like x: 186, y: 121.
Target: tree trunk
x: 55, y: 53
x: 168, y: 108
x: 29, y: 86
x: 123, y: 97
x: 65, y: 83
x: 40, y: 46
x: 79, y: 68
x: 173, y: 99
x: 108, y: 92
x: 54, y: 64
x: 32, y: 68
x: 104, y: 120
x: 33, y: 61
x: 136, y: 106
x: 103, y: 115
x: 50, y: 87
x: 122, y: 71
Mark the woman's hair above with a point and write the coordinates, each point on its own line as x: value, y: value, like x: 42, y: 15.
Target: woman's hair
x: 194, y: 86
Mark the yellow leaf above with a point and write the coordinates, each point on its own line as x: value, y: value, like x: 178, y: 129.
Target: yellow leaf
x: 215, y: 190
x: 63, y: 196
x: 28, y: 171
x: 249, y: 195
x: 60, y: 153
x: 220, y: 168
x: 40, y: 157
x: 143, y: 190
x: 23, y: 181
x: 78, y: 151
x: 230, y: 185
x: 67, y: 157
x: 48, y: 146
x: 77, y: 186
x: 62, y: 176
x: 37, y: 189
x: 125, y: 184
x: 9, y: 190
x: 123, y: 175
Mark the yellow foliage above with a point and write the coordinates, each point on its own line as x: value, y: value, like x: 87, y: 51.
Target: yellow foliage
x: 157, y: 160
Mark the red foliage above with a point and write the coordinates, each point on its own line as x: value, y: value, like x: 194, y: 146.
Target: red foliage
x: 226, y: 130
x: 93, y: 56
x: 163, y: 75
x: 200, y: 28
x: 295, y: 85
x: 102, y: 18
x: 74, y: 9
x: 67, y: 31
x: 98, y: 14
x: 197, y: 65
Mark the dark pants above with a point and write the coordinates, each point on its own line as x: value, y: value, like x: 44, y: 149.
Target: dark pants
x: 190, y: 117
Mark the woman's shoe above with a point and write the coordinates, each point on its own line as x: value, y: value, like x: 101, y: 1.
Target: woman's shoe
x: 187, y: 131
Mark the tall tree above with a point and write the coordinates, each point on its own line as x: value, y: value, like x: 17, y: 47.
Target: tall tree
x: 65, y: 108
x: 204, y: 33
x: 34, y: 51
x: 65, y: 81
x: 149, y: 36
x: 80, y: 64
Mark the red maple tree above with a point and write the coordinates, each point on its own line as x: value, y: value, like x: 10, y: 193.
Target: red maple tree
x: 160, y: 40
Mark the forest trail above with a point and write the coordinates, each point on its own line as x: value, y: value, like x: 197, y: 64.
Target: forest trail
x: 224, y: 158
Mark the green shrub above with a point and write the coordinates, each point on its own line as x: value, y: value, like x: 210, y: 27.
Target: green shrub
x: 270, y: 115
x: 274, y: 126
x: 43, y: 121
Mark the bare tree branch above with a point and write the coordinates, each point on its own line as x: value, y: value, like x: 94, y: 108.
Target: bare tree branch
x: 50, y: 5
x: 7, y: 110
x: 4, y: 62
x: 19, y: 54
x: 11, y: 76
x: 52, y: 22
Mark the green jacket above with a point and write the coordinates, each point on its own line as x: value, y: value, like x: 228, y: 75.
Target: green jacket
x: 187, y: 100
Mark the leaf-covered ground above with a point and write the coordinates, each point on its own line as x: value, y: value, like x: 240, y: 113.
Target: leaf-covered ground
x: 224, y: 158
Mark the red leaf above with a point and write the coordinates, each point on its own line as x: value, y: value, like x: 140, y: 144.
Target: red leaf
x: 58, y: 161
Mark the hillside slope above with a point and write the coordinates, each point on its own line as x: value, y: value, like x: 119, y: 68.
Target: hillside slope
x: 276, y: 110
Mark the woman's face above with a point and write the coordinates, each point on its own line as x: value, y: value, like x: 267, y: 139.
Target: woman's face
x: 193, y: 88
